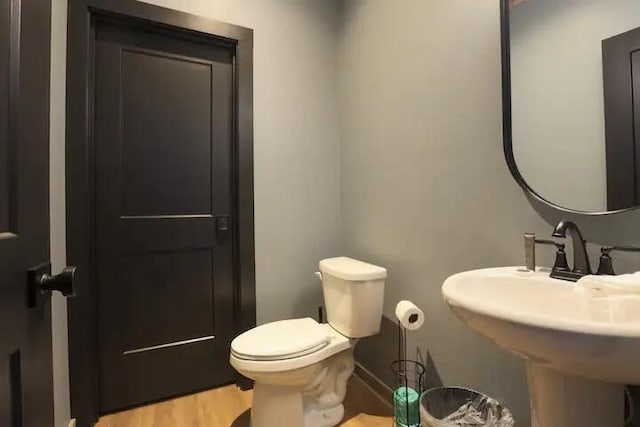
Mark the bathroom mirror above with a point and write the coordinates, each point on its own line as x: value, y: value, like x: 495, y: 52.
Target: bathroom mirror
x: 571, y: 99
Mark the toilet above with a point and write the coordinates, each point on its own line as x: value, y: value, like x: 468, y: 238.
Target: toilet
x: 301, y: 367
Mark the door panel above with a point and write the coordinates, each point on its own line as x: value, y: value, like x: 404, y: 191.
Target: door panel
x: 621, y: 65
x: 182, y: 301
x: 171, y: 97
x: 163, y: 132
x: 26, y: 389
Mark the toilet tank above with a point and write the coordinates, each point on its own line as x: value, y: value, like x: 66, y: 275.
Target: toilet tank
x: 353, y: 295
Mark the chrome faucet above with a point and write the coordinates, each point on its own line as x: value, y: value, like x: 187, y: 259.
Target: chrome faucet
x: 581, y: 265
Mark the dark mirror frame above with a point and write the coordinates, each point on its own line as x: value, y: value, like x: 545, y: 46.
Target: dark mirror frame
x: 505, y: 41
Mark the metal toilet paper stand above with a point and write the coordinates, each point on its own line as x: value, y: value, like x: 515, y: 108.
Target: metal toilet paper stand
x: 409, y: 385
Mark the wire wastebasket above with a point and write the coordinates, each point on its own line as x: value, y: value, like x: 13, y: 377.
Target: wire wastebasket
x: 409, y: 385
x: 458, y: 406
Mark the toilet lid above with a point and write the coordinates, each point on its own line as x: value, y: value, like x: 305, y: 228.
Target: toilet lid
x: 281, y: 340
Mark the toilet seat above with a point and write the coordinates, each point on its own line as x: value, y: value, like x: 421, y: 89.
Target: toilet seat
x: 285, y: 345
x: 284, y: 339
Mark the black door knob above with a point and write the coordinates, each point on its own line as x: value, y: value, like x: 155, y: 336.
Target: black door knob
x: 40, y: 280
x: 62, y: 282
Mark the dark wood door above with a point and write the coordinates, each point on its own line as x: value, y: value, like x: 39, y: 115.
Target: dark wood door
x: 163, y: 198
x: 26, y: 390
x: 621, y: 67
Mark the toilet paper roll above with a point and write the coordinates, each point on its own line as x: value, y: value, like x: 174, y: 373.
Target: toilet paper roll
x: 409, y: 315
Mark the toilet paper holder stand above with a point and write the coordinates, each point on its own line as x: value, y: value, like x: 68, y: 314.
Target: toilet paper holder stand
x: 409, y: 384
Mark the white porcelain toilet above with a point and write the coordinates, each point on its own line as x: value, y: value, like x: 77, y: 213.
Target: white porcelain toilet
x: 301, y: 367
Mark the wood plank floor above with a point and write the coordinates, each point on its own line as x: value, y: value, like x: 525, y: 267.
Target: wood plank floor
x: 229, y: 407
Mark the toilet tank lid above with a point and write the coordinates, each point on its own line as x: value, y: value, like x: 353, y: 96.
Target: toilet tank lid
x: 351, y: 269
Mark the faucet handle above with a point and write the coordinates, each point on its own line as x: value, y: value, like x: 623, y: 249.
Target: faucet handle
x: 561, y: 263
x: 606, y: 262
x: 605, y: 267
x: 621, y: 248
x: 581, y: 265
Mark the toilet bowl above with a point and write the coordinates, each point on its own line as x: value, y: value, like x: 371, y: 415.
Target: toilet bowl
x: 301, y: 367
x: 304, y: 381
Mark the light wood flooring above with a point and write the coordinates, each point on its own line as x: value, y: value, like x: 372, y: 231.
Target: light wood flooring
x: 229, y: 407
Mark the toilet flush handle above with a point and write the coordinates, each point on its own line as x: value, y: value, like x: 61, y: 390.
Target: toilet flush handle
x: 318, y: 275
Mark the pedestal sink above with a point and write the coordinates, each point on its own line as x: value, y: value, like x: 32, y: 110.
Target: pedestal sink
x: 580, y: 347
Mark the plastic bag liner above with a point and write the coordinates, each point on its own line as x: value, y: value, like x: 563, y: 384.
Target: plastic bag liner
x: 462, y: 407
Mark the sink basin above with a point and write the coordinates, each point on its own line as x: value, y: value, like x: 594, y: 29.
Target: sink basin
x: 580, y: 345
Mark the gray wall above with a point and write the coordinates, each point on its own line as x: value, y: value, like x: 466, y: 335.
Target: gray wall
x: 425, y: 189
x: 297, y: 167
x: 556, y: 54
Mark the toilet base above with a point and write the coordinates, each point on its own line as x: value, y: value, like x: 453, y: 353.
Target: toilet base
x: 275, y: 406
x: 306, y: 397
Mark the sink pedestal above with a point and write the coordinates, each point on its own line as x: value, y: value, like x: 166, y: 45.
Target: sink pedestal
x: 560, y: 400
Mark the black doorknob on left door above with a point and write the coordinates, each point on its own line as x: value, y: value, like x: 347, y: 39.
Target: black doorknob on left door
x: 62, y: 282
x: 40, y: 280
